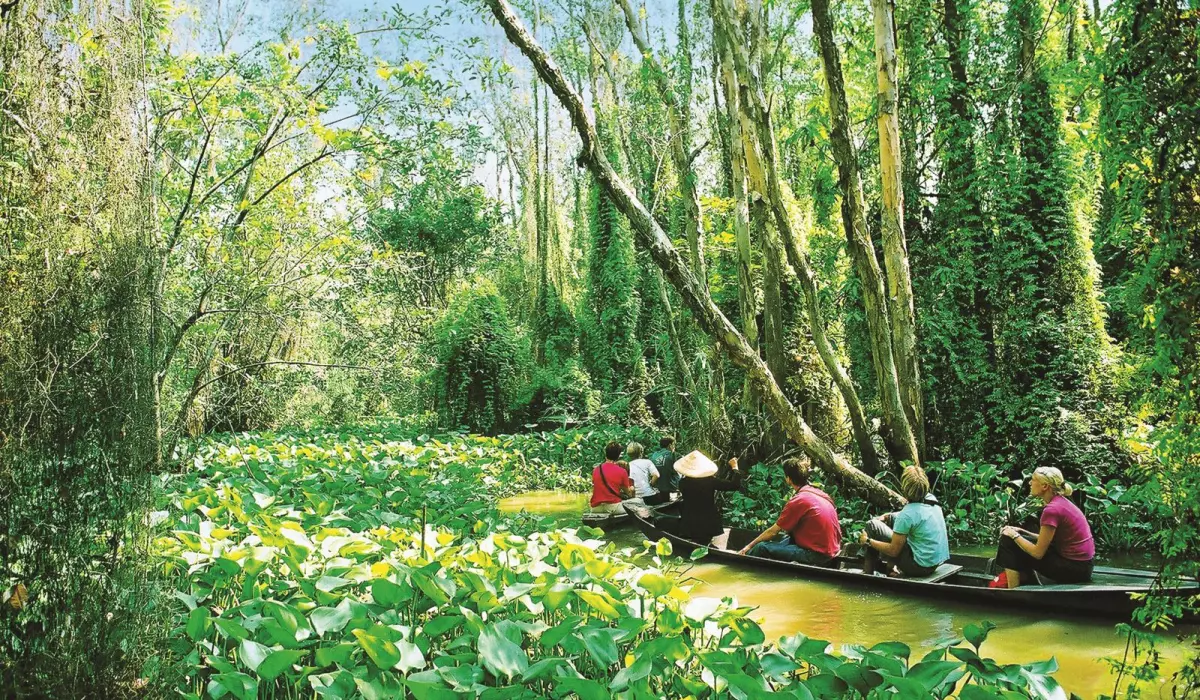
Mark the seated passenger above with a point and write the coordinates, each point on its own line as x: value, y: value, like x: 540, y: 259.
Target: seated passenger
x: 809, y: 523
x: 699, y: 515
x: 644, y: 475
x: 664, y: 460
x: 1063, y: 550
x: 916, y: 541
x: 610, y: 483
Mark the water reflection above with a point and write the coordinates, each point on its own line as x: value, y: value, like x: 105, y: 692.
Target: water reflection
x: 843, y: 615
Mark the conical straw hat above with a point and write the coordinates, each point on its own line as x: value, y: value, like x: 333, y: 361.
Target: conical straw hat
x: 695, y: 465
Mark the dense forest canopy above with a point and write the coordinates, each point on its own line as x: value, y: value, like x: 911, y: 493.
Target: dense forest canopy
x: 945, y: 232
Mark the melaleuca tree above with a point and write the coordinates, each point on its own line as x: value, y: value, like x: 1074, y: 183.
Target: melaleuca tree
x: 1052, y: 348
x: 1149, y: 241
x: 480, y: 361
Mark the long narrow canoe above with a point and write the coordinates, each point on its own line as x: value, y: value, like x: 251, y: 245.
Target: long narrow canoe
x: 611, y: 520
x: 963, y: 578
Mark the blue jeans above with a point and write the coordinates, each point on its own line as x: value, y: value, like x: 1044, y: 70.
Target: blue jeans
x: 785, y: 549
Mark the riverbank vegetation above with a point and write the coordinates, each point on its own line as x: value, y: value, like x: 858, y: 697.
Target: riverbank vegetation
x: 953, y: 233
x: 364, y: 565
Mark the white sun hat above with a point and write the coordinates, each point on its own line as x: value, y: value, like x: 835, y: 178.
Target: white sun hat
x: 695, y: 465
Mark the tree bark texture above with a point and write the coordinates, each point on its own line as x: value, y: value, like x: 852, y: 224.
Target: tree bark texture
x: 797, y: 253
x: 898, y: 436
x: 675, y: 268
x: 895, y: 247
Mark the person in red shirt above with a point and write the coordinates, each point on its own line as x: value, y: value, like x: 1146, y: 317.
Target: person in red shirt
x: 610, y: 483
x: 809, y: 521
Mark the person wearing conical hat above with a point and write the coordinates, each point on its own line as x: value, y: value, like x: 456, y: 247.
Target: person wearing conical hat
x: 699, y: 515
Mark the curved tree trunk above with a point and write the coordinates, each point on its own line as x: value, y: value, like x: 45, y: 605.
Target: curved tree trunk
x: 899, y: 436
x: 656, y: 242
x: 797, y: 255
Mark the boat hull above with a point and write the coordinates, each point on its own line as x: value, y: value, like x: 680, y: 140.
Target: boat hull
x: 1107, y: 596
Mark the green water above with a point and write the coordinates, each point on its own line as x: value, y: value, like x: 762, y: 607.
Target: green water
x: 844, y: 615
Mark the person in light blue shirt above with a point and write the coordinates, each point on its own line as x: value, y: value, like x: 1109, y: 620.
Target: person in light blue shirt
x: 916, y: 542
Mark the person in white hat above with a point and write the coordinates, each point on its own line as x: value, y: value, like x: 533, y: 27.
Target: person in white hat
x: 700, y: 517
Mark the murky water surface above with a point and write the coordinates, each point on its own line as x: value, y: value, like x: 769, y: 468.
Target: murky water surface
x: 843, y: 615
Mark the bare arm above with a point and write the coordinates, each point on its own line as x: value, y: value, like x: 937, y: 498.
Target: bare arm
x: 888, y: 549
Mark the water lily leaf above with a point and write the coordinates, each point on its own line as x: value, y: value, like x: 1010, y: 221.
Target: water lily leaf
x: 932, y: 674
x: 655, y: 584
x: 600, y: 644
x: 199, y: 621
x: 584, y: 688
x: 231, y: 628
x: 329, y: 619
x: 632, y: 673
x: 381, y: 650
x: 977, y: 634
x: 748, y: 632
x: 410, y: 657
x: 442, y: 624
x: 239, y: 685
x: 826, y: 685
x: 558, y: 594
x: 277, y: 662
x: 777, y: 666
x: 331, y: 583
x: 380, y: 688
x: 600, y: 602
x: 499, y: 654
x: 551, y: 637
x: 859, y: 678
x: 898, y: 650
x: 338, y: 685
x: 543, y: 668
x: 337, y: 654
x: 289, y: 617
x: 978, y: 692
x: 252, y: 653
x: 389, y: 594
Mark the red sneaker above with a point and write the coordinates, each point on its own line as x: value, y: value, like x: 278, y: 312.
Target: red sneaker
x: 1000, y: 581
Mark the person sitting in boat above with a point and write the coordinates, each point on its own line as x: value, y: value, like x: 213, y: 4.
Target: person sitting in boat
x: 664, y: 460
x: 1062, y: 550
x: 699, y: 515
x: 610, y: 483
x: 809, y: 523
x: 644, y: 475
x: 915, y: 542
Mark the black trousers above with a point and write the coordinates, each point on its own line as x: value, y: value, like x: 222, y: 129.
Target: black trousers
x: 1053, y: 565
x: 656, y: 498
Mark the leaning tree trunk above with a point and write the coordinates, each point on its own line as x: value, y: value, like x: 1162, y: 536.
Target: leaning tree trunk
x: 796, y: 250
x: 656, y: 242
x: 895, y: 247
x: 899, y: 436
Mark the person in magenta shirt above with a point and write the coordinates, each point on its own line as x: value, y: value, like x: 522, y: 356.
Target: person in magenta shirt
x: 809, y: 524
x: 1063, y: 550
x: 610, y: 483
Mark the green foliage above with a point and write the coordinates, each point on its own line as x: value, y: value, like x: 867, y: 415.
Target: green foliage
x: 336, y: 563
x: 77, y: 431
x: 481, y: 361
x: 448, y: 228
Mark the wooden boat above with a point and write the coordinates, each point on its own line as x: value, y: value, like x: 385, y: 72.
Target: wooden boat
x: 610, y: 520
x: 964, y: 578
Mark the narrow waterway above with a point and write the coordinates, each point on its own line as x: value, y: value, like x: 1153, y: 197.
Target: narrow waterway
x: 845, y: 615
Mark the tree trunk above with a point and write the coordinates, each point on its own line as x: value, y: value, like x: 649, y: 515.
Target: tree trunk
x: 747, y: 305
x: 680, y: 142
x: 660, y: 248
x: 797, y: 255
x: 898, y: 436
x: 895, y: 247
